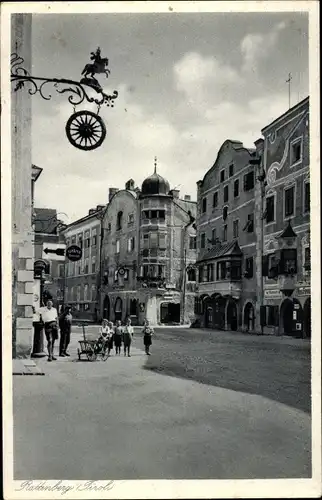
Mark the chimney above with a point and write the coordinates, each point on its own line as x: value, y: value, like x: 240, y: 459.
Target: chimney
x: 130, y: 185
x: 187, y: 197
x: 111, y: 193
x: 175, y: 193
x: 91, y: 211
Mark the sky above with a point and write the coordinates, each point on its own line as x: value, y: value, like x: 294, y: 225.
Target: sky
x: 186, y: 83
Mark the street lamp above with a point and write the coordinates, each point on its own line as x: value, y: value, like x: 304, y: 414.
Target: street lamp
x: 84, y: 129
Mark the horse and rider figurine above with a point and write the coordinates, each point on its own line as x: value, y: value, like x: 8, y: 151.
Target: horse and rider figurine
x: 99, y: 65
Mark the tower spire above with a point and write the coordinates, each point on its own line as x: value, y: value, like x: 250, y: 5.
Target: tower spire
x: 155, y: 164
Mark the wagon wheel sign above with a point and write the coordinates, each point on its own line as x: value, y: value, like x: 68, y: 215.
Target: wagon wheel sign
x: 85, y: 130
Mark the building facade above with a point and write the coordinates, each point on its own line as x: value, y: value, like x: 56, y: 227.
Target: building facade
x: 80, y: 278
x: 23, y: 176
x: 284, y: 228
x: 226, y: 241
x: 147, y: 253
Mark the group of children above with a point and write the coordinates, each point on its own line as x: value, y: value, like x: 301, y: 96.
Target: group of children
x: 110, y: 335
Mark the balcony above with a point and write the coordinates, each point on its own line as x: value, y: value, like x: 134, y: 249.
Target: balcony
x: 224, y: 287
x: 153, y: 253
x: 153, y: 222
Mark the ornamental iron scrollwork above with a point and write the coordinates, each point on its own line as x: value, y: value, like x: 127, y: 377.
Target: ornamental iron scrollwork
x: 78, y: 93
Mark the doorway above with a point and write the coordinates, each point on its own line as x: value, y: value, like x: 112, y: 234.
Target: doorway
x: 118, y: 309
x: 169, y: 312
x: 232, y: 318
x: 249, y: 317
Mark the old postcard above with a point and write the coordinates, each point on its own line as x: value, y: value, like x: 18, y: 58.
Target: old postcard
x: 160, y: 173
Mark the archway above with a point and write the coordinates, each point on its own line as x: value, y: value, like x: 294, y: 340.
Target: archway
x: 219, y: 312
x: 170, y: 312
x: 249, y: 317
x: 286, y: 317
x: 106, y: 308
x: 232, y: 315
x: 307, y: 328
x: 118, y: 309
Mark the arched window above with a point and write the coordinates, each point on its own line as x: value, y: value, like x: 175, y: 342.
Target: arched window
x: 119, y: 221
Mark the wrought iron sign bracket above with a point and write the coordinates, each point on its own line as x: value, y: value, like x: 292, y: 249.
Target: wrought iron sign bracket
x: 84, y: 129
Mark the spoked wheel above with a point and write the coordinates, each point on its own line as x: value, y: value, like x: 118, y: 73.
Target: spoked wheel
x: 85, y: 130
x: 91, y: 355
x: 104, y: 355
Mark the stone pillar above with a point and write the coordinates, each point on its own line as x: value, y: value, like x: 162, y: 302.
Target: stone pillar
x: 22, y: 234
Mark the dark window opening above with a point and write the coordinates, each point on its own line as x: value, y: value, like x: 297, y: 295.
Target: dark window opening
x: 192, y: 243
x: 225, y: 233
x: 249, y: 267
x: 119, y: 221
x: 307, y: 197
x: 236, y: 188
x: 204, y: 205
x: 296, y: 152
x: 215, y: 199
x: 203, y: 240
x: 270, y: 209
x: 231, y: 170
x: 235, y: 228
x: 225, y: 213
x: 289, y: 201
x: 249, y: 181
x: 222, y: 176
x: 191, y: 274
x: 226, y: 194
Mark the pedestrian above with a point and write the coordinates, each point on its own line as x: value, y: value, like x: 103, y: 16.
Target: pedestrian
x: 111, y: 339
x: 147, y: 336
x: 104, y: 336
x: 65, y: 325
x: 118, y: 335
x: 127, y: 337
x: 49, y: 317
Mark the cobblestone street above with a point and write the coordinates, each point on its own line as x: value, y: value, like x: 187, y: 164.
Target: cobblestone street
x: 105, y: 420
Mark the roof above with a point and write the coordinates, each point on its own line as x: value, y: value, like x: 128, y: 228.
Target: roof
x: 155, y: 184
x: 45, y: 220
x: 289, y: 111
x: 229, y: 249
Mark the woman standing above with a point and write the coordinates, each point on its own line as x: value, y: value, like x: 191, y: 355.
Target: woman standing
x: 111, y: 339
x: 127, y: 337
x: 147, y: 338
x: 65, y: 325
x: 118, y: 335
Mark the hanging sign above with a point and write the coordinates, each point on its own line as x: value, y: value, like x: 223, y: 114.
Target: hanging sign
x: 74, y: 253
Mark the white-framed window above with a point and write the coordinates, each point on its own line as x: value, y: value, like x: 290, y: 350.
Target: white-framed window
x: 85, y: 292
x: 86, y: 266
x: 87, y: 239
x: 117, y: 246
x: 94, y: 237
x: 289, y: 201
x: 131, y: 244
x: 78, y: 293
x: 270, y: 210
x: 306, y: 196
x: 80, y: 240
x: 93, y: 293
x: 93, y: 270
x: 296, y: 151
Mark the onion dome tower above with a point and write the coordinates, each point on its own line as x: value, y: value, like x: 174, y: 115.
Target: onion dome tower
x: 155, y: 184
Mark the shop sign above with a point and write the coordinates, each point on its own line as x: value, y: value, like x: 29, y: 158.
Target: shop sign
x: 272, y: 293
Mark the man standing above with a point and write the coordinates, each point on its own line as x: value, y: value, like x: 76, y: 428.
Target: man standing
x: 65, y: 325
x: 118, y: 337
x: 49, y: 317
x: 127, y: 337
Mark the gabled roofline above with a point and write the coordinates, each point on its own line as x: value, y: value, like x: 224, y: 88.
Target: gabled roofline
x: 298, y: 105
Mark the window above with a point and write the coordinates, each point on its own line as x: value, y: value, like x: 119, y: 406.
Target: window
x: 272, y: 315
x: 235, y: 270
x: 288, y: 262
x: 61, y: 270
x: 270, y: 209
x: 191, y: 274
x: 307, y: 259
x: 289, y: 201
x: 226, y: 194
x: 94, y: 237
x: 192, y: 243
x: 154, y: 240
x: 85, y: 292
x: 203, y: 240
x: 117, y: 246
x: 78, y: 268
x: 80, y: 240
x: 109, y: 226
x: 116, y: 275
x: 161, y: 271
x: 66, y: 293
x: 210, y: 272
x: 119, y: 221
x: 93, y: 293
x: 201, y: 271
x: 162, y: 241
x: 86, y: 266
x: 221, y: 270
x: 78, y: 293
x: 215, y: 199
x: 296, y: 151
x: 213, y: 235
x: 130, y: 219
x: 73, y: 240
x: 235, y: 228
x: 204, y: 205
x: 224, y: 213
x: 249, y: 181
x: 130, y: 244
x: 161, y: 214
x: 306, y: 196
x: 231, y: 170
x: 87, y: 239
x: 222, y: 176
x: 225, y: 233
x: 145, y: 241
x: 133, y: 307
x: 249, y: 267
x: 126, y: 275
x: 93, y: 264
x: 236, y: 188
x: 249, y: 227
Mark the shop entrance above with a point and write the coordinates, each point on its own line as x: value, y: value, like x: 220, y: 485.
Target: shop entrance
x: 232, y: 321
x: 169, y: 312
